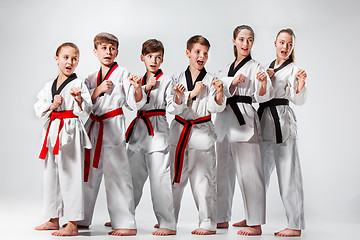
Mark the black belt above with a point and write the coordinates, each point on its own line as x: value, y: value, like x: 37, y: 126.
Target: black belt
x: 232, y: 102
x: 272, y: 105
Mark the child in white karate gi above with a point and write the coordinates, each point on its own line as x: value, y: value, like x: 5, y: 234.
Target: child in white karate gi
x: 62, y: 102
x: 111, y: 88
x: 193, y: 136
x: 279, y: 134
x: 148, y: 137
x: 238, y: 132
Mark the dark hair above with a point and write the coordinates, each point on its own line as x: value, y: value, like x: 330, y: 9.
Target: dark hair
x: 151, y: 46
x: 237, y: 31
x: 67, y: 44
x: 197, y: 39
x: 105, y: 37
x: 290, y: 32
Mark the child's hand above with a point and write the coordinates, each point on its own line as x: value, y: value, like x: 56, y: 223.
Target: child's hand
x: 105, y: 86
x: 135, y: 81
x: 56, y: 102
x: 179, y: 89
x: 76, y: 93
x: 301, y: 75
x: 261, y: 77
x: 217, y: 83
x: 199, y: 86
x: 270, y: 72
x: 238, y: 79
x: 151, y: 82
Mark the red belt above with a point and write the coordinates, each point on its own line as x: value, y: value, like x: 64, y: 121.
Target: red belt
x: 144, y: 115
x: 96, y: 158
x: 53, y: 115
x: 183, y: 140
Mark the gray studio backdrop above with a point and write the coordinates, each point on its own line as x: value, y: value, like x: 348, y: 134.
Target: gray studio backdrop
x: 326, y: 47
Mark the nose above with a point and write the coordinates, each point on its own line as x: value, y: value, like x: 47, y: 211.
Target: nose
x: 108, y: 51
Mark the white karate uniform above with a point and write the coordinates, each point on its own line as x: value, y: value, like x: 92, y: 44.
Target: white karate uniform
x: 285, y: 155
x: 63, y: 173
x: 149, y: 155
x: 114, y: 164
x: 238, y: 147
x: 199, y: 165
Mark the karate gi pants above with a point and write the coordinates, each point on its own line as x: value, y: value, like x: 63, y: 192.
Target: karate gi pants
x: 114, y: 165
x: 286, y: 159
x: 156, y: 165
x: 242, y: 159
x: 199, y: 167
x: 63, y: 183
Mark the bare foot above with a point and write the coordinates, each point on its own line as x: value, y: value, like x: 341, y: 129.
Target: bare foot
x: 123, y: 232
x: 107, y: 224
x: 164, y: 232
x: 223, y: 225
x: 52, y: 224
x: 251, y: 231
x: 70, y: 230
x: 79, y: 226
x: 156, y: 226
x: 202, y: 231
x: 288, y: 233
x: 240, y: 224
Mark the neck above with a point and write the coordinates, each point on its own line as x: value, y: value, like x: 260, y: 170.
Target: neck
x: 194, y: 72
x: 61, y: 78
x: 239, y: 59
x: 280, y: 61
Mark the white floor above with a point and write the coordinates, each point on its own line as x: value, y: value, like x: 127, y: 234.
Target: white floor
x: 19, y: 217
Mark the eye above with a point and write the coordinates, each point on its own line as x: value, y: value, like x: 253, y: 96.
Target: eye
x: 197, y: 51
x: 113, y: 49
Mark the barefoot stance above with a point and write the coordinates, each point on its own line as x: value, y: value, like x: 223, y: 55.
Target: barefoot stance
x: 202, y: 231
x: 164, y: 232
x: 79, y: 226
x: 123, y: 232
x: 251, y: 231
x: 240, y: 224
x: 288, y: 233
x: 70, y: 230
x: 107, y: 224
x: 50, y: 225
x: 223, y: 225
x: 156, y: 226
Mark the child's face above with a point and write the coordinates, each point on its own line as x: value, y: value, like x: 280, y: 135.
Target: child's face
x: 67, y: 60
x: 106, y: 53
x: 284, y: 45
x: 152, y: 61
x: 198, y: 56
x: 243, y: 43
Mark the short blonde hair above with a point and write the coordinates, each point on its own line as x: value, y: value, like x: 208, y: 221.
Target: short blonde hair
x: 105, y: 37
x: 197, y: 39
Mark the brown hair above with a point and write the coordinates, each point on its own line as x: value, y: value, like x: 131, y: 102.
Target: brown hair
x: 197, y: 39
x: 105, y: 37
x: 290, y: 32
x: 67, y: 44
x: 151, y: 46
x: 237, y: 31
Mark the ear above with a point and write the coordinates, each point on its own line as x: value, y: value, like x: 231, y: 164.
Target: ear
x: 56, y: 59
x: 275, y: 43
x: 234, y: 41
x: 117, y: 52
x: 187, y: 53
x: 95, y: 52
x: 142, y: 57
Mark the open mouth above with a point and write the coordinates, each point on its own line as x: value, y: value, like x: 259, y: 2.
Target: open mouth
x: 68, y: 68
x: 199, y: 62
x: 153, y: 66
x: 284, y: 53
x: 107, y: 58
